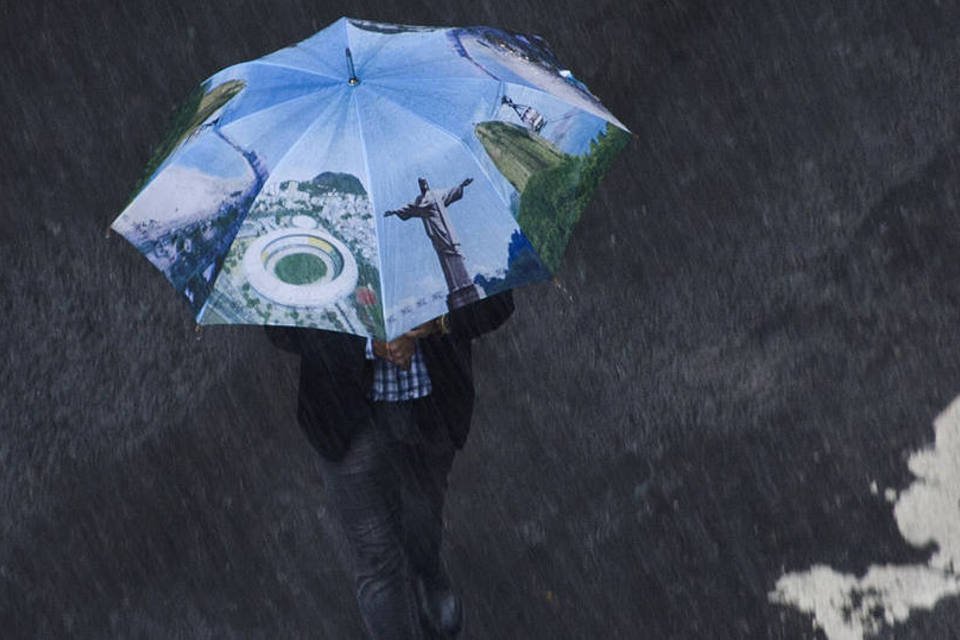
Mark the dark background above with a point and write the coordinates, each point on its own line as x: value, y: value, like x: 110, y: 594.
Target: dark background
x: 758, y: 319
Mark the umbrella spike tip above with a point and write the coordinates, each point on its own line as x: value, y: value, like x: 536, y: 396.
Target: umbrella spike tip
x: 353, y: 81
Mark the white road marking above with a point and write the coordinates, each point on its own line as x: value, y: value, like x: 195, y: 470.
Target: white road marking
x: 928, y: 511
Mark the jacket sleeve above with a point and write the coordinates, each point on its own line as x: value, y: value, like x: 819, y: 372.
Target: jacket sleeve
x: 332, y: 364
x: 334, y: 350
x: 334, y: 380
x: 473, y: 320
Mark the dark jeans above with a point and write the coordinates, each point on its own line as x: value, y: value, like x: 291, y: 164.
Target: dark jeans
x: 388, y: 492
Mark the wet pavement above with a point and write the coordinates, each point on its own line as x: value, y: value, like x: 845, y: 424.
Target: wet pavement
x: 721, y: 425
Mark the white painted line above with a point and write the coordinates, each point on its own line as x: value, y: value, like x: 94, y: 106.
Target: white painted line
x: 928, y: 511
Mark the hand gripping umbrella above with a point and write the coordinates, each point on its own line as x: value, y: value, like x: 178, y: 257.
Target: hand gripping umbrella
x: 371, y: 178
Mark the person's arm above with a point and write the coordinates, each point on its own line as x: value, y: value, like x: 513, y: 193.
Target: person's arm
x: 478, y: 318
x: 465, y: 323
x: 345, y: 349
x: 283, y: 338
x: 394, y: 352
x: 335, y: 364
x: 314, y: 343
x: 334, y: 383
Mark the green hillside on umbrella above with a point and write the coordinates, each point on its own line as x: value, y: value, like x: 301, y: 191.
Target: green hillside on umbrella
x: 554, y: 186
x: 517, y: 153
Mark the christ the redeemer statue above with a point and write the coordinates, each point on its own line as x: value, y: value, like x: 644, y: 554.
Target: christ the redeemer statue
x: 431, y: 207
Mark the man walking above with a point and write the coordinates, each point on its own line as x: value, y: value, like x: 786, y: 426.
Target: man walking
x: 387, y: 419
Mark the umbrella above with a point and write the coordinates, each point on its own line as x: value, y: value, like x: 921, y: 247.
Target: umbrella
x: 371, y: 178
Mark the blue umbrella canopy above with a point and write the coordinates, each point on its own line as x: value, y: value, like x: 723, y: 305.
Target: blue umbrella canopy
x: 371, y: 178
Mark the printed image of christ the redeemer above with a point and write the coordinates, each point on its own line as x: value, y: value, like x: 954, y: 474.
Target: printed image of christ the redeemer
x: 431, y: 207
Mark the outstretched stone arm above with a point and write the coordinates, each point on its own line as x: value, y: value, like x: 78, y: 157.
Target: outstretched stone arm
x: 404, y: 213
x: 454, y: 194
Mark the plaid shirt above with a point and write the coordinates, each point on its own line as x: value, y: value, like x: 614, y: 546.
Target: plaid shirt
x: 393, y: 384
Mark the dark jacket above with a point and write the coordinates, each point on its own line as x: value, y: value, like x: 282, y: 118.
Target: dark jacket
x: 336, y: 377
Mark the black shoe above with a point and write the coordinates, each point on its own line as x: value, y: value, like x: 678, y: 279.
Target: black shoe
x: 440, y: 606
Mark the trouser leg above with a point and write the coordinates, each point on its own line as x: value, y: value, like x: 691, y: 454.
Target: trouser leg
x: 428, y: 463
x: 365, y: 489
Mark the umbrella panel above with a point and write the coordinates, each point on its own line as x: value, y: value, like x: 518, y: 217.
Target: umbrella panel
x: 291, y: 197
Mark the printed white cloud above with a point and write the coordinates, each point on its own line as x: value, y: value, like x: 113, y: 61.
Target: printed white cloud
x: 178, y: 196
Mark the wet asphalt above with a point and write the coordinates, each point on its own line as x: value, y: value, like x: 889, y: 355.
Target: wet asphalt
x: 757, y: 320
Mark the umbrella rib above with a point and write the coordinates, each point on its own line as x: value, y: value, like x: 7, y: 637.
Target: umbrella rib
x: 437, y: 76
x: 373, y: 208
x: 370, y: 190
x: 298, y: 69
x: 254, y: 201
x: 597, y: 113
x: 459, y: 139
x: 273, y: 106
x: 598, y: 109
x: 307, y: 130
